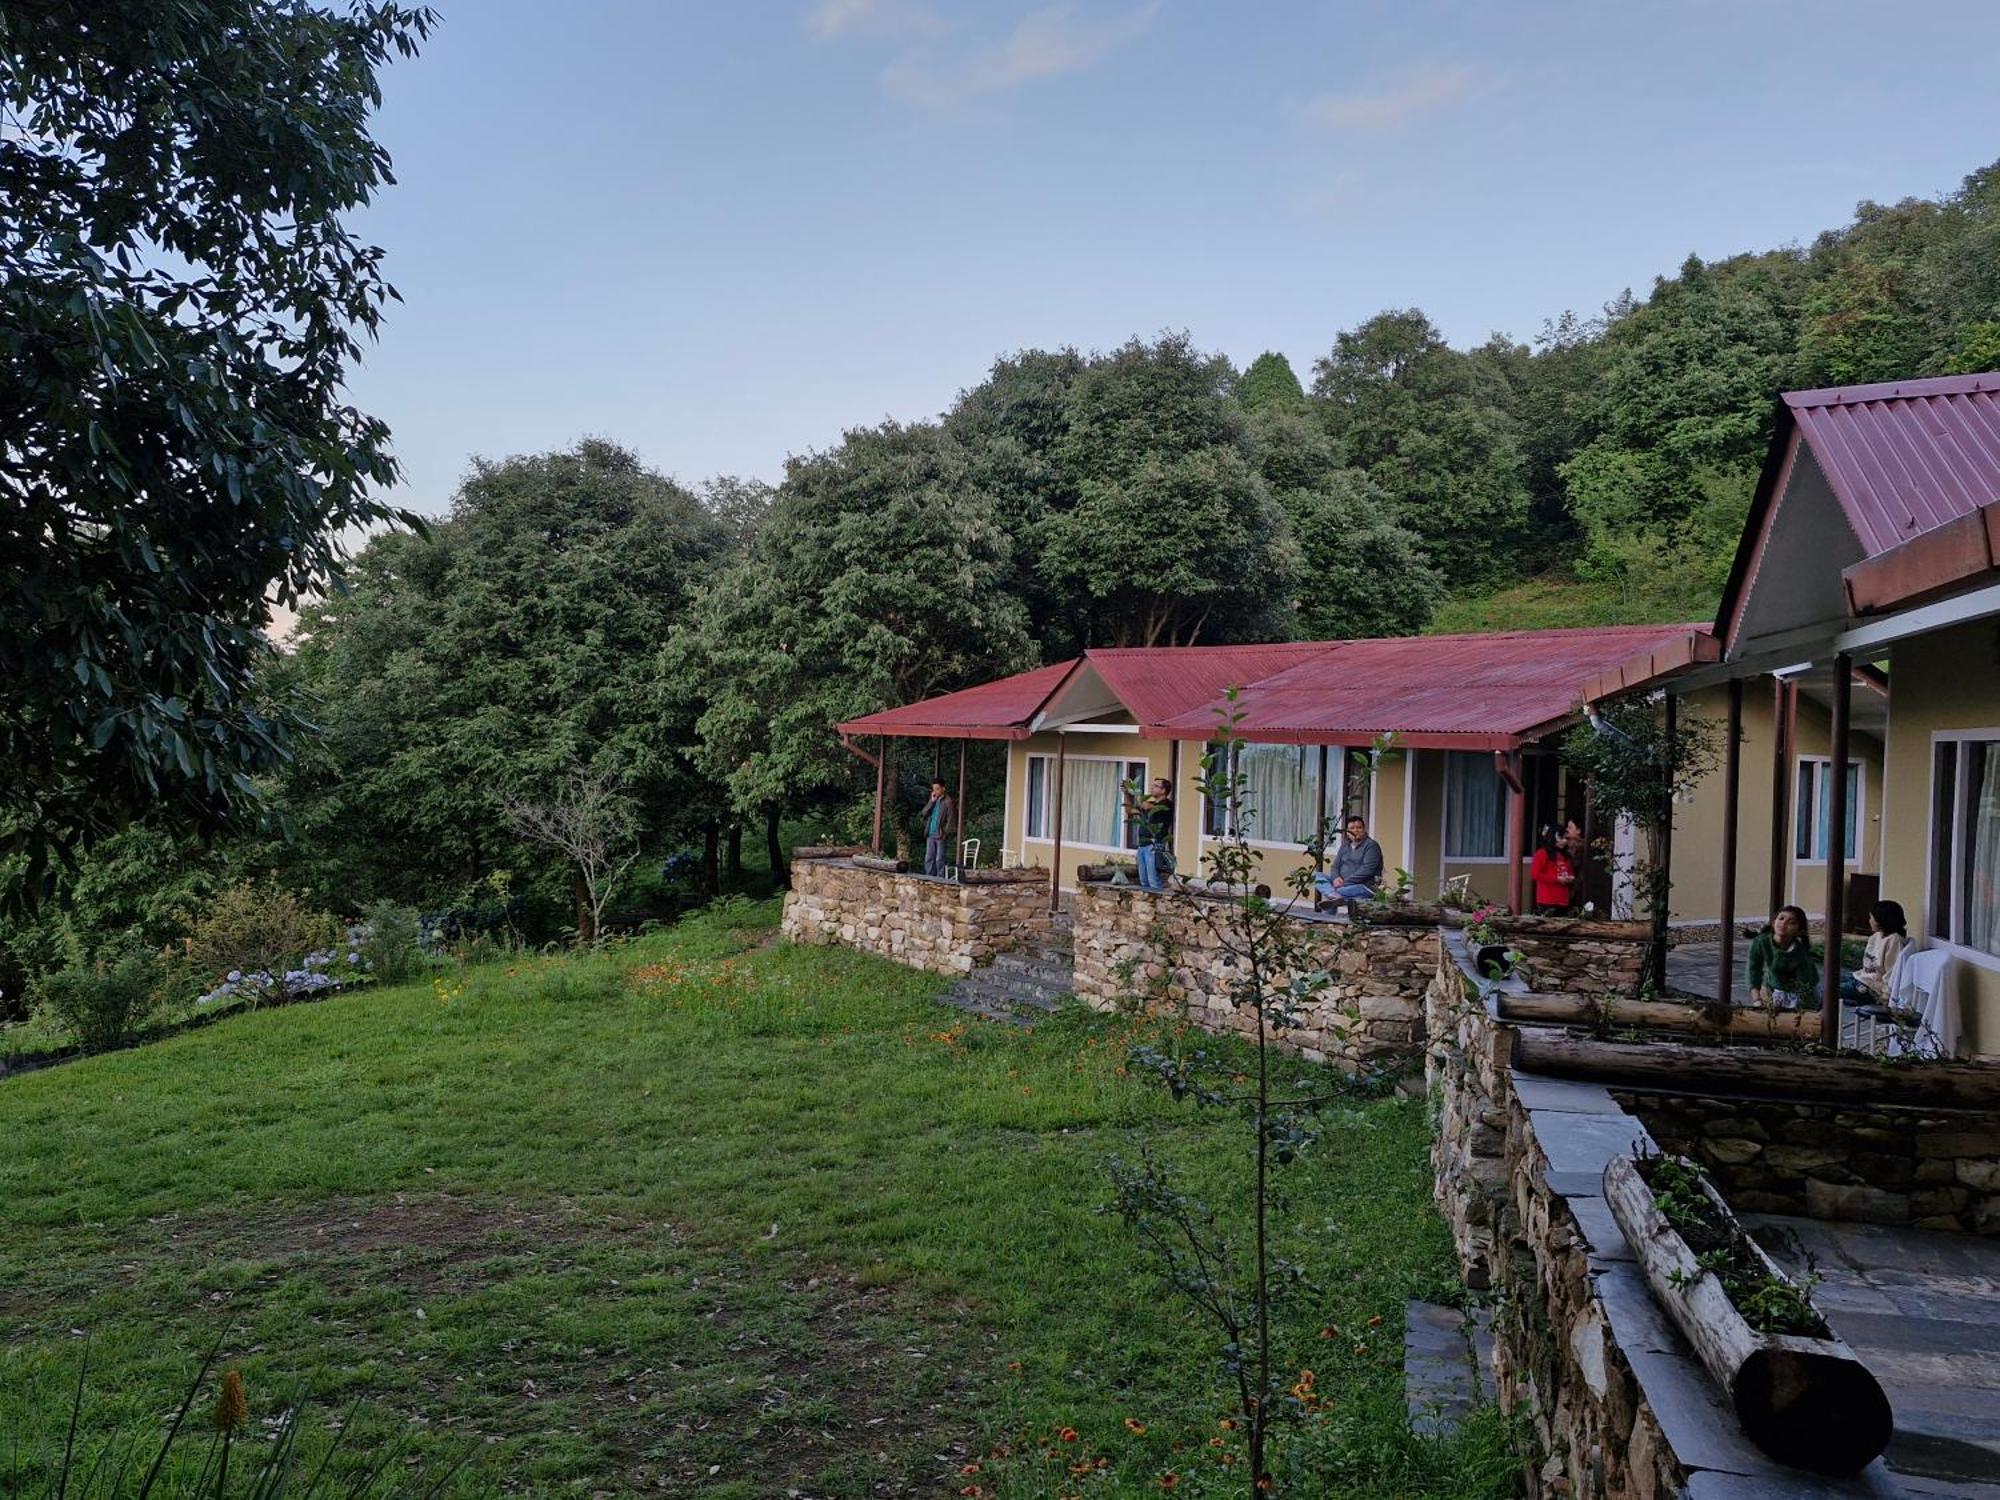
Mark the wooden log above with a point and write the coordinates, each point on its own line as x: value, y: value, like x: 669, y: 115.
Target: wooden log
x: 1575, y: 927
x: 827, y: 851
x: 881, y: 863
x: 1002, y: 877
x: 1664, y: 1015
x: 1100, y: 874
x: 1757, y: 1072
x: 1398, y: 914
x: 1808, y: 1402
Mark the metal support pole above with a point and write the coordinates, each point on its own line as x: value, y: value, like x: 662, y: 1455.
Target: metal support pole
x: 1055, y: 874
x: 1732, y: 797
x: 881, y: 771
x: 959, y: 805
x: 1784, y: 715
x: 1663, y: 878
x: 1836, y: 851
x: 1319, y: 864
x: 1517, y: 826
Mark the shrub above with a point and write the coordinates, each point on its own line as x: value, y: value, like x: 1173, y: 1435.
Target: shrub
x: 99, y: 1003
x: 389, y: 942
x: 249, y: 928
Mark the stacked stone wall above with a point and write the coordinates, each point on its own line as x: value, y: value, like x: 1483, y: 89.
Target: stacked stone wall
x: 1570, y: 956
x: 942, y: 926
x: 1166, y: 951
x: 1878, y: 1164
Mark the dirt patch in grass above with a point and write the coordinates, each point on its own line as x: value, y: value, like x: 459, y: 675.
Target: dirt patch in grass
x: 584, y: 1351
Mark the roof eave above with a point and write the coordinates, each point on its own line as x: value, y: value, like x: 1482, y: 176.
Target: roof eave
x: 1930, y: 565
x: 1655, y: 668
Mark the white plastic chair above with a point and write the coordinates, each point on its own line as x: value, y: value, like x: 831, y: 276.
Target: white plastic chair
x: 968, y: 855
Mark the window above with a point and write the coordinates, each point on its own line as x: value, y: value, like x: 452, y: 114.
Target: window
x: 1964, y: 907
x: 1813, y: 807
x: 1093, y: 800
x: 1281, y: 787
x: 1475, y: 807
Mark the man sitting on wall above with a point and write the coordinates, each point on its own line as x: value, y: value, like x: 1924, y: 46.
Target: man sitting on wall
x: 1356, y: 870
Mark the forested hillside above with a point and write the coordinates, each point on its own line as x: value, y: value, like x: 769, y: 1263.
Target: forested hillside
x: 690, y: 647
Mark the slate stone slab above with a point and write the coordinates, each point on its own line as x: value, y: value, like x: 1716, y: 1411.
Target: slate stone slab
x: 1584, y: 1142
x: 1539, y: 1093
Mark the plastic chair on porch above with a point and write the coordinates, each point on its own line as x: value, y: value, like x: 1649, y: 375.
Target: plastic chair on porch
x: 968, y: 855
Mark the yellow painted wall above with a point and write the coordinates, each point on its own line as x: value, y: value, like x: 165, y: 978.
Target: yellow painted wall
x: 1040, y: 853
x: 1949, y: 679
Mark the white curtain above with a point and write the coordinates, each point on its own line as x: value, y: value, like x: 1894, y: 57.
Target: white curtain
x: 1982, y: 838
x: 1280, y: 792
x: 1091, y: 802
x: 1475, y: 807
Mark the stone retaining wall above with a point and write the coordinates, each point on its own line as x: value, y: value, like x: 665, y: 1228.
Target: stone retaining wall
x: 941, y: 926
x: 1880, y: 1164
x: 1570, y: 956
x: 1164, y: 950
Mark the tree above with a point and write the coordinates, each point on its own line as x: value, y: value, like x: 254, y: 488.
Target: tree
x: 1173, y: 538
x: 881, y: 577
x: 594, y: 827
x: 1269, y: 384
x: 519, y: 638
x: 1431, y: 426
x: 180, y: 304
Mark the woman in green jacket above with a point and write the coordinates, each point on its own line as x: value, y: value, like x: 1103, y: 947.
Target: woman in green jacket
x: 1783, y: 971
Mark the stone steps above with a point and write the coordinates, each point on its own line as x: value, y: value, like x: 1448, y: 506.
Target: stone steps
x: 1447, y: 1365
x: 1019, y: 987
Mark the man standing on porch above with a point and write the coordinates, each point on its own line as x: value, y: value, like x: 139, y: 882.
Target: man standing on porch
x: 937, y: 819
x: 1155, y: 812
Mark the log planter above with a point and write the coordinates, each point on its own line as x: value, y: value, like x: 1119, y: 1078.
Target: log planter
x: 1758, y: 1072
x: 1806, y: 1400
x: 1663, y: 1015
x: 827, y: 851
x: 880, y: 864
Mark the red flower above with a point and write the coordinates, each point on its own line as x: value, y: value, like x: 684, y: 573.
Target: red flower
x: 1068, y: 1434
x: 1133, y: 1424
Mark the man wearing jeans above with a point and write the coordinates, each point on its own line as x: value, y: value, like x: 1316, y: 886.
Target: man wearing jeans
x: 1155, y: 812
x: 937, y: 825
x: 1357, y: 866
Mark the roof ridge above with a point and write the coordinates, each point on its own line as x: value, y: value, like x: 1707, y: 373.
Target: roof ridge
x: 1896, y: 390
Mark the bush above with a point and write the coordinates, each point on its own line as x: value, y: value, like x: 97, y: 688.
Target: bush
x: 98, y: 1004
x: 252, y: 928
x: 390, y: 945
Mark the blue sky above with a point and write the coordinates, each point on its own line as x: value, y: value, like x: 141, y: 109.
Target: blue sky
x: 723, y: 232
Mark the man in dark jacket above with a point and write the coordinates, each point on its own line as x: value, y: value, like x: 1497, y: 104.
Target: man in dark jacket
x: 1356, y: 871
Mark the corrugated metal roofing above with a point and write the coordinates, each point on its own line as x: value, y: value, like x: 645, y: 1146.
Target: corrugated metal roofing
x: 1474, y: 691
x: 1908, y: 456
x: 1158, y: 682
x: 991, y: 711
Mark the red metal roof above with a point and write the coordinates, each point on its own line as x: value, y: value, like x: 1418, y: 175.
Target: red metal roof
x: 1902, y: 458
x: 1158, y: 682
x: 992, y: 711
x: 1464, y: 691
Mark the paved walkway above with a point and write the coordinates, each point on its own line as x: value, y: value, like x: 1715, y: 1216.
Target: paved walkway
x: 1691, y: 969
x: 1922, y: 1309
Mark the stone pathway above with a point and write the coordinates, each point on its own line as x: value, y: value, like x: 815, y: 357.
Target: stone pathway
x: 1922, y: 1309
x: 1020, y: 987
x: 1691, y: 969
x: 1447, y: 1365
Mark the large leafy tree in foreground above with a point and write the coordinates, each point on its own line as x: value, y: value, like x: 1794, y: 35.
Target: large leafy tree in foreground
x: 496, y: 658
x: 180, y: 301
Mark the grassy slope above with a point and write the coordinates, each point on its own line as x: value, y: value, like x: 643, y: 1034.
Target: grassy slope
x: 723, y: 1222
x: 1552, y: 602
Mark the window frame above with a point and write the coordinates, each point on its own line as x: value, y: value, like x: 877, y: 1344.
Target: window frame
x: 1820, y: 769
x: 1446, y: 830
x: 1126, y: 830
x: 1332, y: 769
x: 1951, y: 810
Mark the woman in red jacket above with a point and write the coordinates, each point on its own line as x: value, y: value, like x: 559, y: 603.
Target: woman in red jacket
x: 1554, y: 875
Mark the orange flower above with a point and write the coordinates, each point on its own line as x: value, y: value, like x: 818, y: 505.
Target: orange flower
x: 1306, y: 1378
x: 1134, y: 1425
x: 968, y: 1468
x: 1376, y: 1321
x: 1068, y: 1434
x: 1331, y: 1331
x: 1014, y: 1365
x: 1228, y: 1424
x: 972, y: 1490
x: 1218, y: 1442
x: 1170, y: 1480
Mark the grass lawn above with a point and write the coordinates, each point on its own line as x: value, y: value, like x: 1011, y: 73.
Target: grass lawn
x: 702, y: 1215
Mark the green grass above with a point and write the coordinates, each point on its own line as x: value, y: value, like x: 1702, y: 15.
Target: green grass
x: 1554, y: 602
x: 702, y: 1215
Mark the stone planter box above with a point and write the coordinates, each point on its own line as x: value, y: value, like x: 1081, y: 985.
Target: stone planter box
x: 1808, y: 1402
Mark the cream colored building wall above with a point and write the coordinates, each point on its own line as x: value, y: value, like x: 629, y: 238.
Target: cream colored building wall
x: 1040, y: 853
x: 1698, y: 819
x: 1949, y: 679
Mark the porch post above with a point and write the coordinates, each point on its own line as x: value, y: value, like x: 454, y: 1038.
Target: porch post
x: 1319, y: 834
x: 1784, y: 717
x: 1836, y: 851
x: 881, y: 772
x: 1055, y: 873
x: 1732, y: 797
x: 959, y: 805
x: 1517, y: 824
x: 1663, y: 878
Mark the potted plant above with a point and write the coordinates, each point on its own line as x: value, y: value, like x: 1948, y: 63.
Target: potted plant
x: 1799, y: 1392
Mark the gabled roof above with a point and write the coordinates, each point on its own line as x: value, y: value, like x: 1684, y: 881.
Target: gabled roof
x: 1901, y: 458
x: 1474, y: 692
x: 992, y: 711
x: 1158, y: 682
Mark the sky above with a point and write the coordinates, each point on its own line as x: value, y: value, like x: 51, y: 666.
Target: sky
x: 722, y: 232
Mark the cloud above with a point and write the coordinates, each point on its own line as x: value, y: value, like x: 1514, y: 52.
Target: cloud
x: 1045, y: 44
x: 1418, y: 93
x: 903, y: 20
